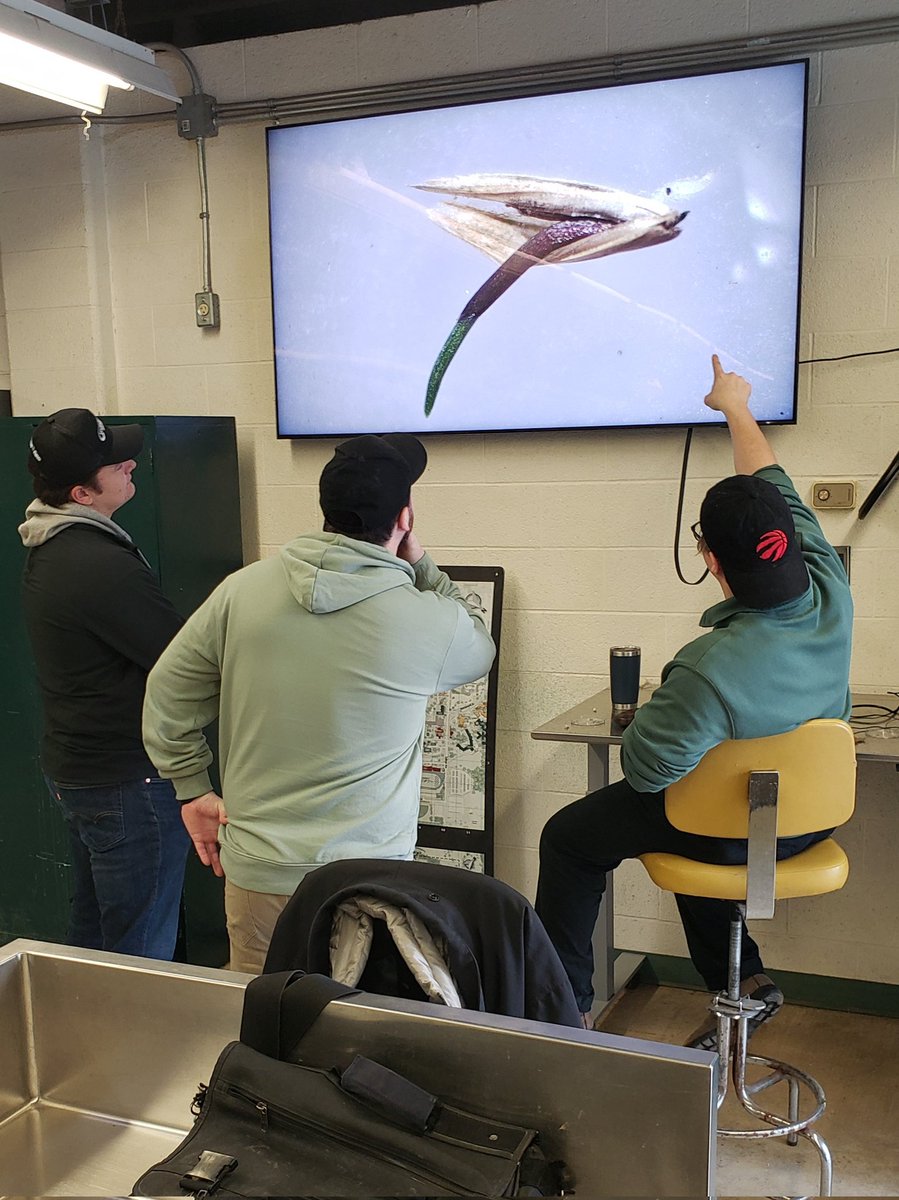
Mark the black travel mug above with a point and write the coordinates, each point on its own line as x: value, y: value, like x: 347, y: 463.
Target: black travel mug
x: 624, y: 672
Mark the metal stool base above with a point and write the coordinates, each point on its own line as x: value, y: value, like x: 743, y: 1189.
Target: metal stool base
x: 733, y: 1016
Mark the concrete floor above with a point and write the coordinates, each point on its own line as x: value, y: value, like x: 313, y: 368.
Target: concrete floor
x: 856, y: 1060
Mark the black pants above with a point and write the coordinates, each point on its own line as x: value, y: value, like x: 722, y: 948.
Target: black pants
x: 591, y: 837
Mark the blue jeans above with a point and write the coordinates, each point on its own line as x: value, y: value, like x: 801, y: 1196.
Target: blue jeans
x: 129, y: 848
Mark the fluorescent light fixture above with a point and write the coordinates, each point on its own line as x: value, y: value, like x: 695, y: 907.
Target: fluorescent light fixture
x: 57, y: 56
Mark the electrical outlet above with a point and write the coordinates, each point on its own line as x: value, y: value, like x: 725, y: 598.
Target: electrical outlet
x: 207, y: 310
x: 843, y: 552
x: 831, y: 493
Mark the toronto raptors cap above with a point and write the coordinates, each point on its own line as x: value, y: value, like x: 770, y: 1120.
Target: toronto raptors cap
x: 748, y: 526
x: 70, y: 445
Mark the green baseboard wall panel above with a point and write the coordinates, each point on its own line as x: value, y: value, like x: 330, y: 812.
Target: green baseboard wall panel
x: 814, y: 991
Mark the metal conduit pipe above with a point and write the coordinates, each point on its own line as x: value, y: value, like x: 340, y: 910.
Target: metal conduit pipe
x: 737, y: 52
x: 168, y: 48
x: 197, y: 88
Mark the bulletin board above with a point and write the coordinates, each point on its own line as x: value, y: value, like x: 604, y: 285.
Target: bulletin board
x: 455, y: 825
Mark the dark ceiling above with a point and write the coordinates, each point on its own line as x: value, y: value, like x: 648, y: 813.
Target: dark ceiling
x: 200, y: 22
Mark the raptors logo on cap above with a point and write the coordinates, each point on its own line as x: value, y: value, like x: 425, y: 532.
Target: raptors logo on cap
x: 772, y: 546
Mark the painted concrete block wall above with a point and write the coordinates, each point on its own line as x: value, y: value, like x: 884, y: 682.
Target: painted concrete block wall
x: 54, y: 264
x: 99, y: 253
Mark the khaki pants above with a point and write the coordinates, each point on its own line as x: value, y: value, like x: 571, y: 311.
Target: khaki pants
x: 251, y: 918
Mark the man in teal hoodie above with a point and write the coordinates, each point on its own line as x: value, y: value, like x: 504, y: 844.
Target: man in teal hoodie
x: 318, y: 664
x: 776, y: 654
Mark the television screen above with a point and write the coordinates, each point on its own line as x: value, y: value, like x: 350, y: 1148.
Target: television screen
x: 569, y: 260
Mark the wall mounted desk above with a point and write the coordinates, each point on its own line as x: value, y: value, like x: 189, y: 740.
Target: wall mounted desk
x: 590, y: 723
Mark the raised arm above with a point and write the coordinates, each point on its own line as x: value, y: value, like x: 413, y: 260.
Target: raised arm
x: 730, y: 396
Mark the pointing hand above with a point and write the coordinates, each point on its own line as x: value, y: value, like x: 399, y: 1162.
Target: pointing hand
x: 729, y: 390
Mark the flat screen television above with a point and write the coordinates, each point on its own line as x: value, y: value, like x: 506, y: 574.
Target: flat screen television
x: 566, y: 260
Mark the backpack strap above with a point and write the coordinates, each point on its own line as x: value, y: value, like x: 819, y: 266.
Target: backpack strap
x: 278, y: 1009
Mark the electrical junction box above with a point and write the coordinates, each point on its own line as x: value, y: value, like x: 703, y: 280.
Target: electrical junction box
x: 833, y: 494
x: 197, y: 117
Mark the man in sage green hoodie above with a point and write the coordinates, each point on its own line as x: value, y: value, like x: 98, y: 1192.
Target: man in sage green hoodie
x: 774, y: 655
x: 318, y: 664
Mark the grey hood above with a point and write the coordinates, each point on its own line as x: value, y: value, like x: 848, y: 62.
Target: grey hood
x: 43, y: 522
x: 327, y: 571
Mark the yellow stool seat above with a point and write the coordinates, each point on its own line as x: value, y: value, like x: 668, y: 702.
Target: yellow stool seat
x: 822, y: 868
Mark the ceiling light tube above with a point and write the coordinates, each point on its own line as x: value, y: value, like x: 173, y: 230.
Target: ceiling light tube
x: 33, y: 69
x: 53, y: 55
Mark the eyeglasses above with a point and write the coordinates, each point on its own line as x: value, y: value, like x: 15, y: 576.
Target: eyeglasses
x: 696, y: 531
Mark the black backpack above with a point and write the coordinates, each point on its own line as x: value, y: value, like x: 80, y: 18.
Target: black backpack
x: 270, y: 1127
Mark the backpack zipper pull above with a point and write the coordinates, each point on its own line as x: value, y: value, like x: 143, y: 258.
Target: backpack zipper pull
x: 262, y: 1108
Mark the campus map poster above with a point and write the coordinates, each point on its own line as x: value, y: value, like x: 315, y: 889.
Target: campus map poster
x: 456, y: 815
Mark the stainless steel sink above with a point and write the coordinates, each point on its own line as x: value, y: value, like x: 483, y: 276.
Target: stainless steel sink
x: 100, y: 1056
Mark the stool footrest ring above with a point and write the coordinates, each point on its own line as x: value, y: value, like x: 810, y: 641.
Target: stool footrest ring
x: 732, y: 1038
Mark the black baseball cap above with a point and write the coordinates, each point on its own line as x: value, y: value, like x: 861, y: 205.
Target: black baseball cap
x: 368, y: 481
x: 748, y: 526
x: 69, y: 446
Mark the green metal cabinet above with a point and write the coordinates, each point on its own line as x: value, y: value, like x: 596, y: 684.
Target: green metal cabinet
x: 185, y: 517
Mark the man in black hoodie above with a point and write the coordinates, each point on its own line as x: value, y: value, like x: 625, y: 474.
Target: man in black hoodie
x: 97, y: 621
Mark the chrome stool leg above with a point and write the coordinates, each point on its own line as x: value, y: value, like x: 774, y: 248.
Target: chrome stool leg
x: 793, y: 1138
x: 826, y: 1160
x: 733, y: 1013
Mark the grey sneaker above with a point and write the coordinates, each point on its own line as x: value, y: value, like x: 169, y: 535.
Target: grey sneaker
x: 756, y: 987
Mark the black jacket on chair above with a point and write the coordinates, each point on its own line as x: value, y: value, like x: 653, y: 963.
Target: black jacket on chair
x: 497, y: 950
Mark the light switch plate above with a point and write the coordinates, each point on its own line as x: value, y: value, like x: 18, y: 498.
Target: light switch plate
x: 833, y: 493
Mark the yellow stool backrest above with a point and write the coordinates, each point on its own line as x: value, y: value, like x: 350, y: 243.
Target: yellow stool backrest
x: 816, y: 765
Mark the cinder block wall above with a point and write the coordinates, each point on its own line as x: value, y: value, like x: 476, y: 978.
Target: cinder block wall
x: 100, y: 258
